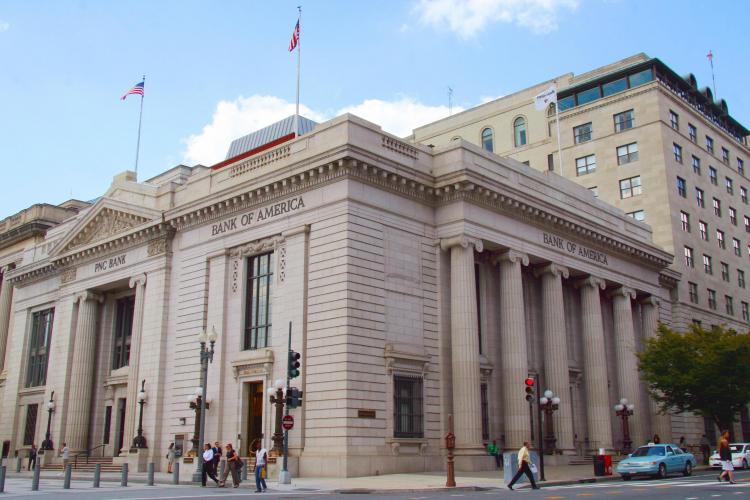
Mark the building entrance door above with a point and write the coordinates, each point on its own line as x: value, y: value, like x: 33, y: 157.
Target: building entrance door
x: 254, y: 415
x: 120, y: 425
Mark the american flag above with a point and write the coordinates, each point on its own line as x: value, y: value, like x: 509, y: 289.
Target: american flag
x: 137, y: 89
x: 295, y: 38
x: 710, y: 56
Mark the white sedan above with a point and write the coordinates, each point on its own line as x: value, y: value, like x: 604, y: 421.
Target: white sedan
x: 740, y: 456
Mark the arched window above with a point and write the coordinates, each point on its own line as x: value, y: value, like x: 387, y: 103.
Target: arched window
x: 487, y: 139
x: 519, y: 131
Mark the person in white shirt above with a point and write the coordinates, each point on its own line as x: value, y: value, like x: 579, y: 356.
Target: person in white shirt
x: 208, y: 465
x: 261, y: 461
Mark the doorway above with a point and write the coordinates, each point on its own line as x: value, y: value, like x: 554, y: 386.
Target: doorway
x: 254, y: 414
x: 120, y: 425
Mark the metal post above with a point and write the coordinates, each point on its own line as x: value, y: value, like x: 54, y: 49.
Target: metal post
x: 2, y: 478
x: 124, y: 475
x: 243, y: 476
x: 539, y: 438
x: 206, y: 356
x: 140, y: 441
x: 97, y: 475
x: 222, y: 465
x: 66, y: 479
x: 450, y: 443
x: 150, y: 473
x: 19, y: 461
x: 176, y: 473
x: 285, y: 477
x: 47, y: 443
x: 35, y: 479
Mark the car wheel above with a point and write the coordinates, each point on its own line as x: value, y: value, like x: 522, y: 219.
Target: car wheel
x: 744, y: 463
x: 688, y: 469
x: 662, y: 474
x: 627, y: 477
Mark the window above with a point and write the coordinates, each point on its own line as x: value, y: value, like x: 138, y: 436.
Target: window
x: 725, y: 271
x: 258, y: 303
x: 107, y: 424
x: 485, y: 412
x: 745, y: 312
x: 519, y: 131
x: 407, y: 406
x: 641, y: 77
x: 740, y: 166
x: 124, y: 309
x: 717, y: 207
x: 720, y: 239
x: 692, y: 132
x: 674, y: 120
x: 582, y: 133
x: 729, y: 305
x: 39, y: 346
x: 681, y: 187
x: 587, y: 96
x: 736, y: 247
x: 564, y: 103
x: 685, y: 219
x: 595, y: 191
x: 551, y: 162
x: 487, y: 140
x: 630, y: 187
x: 703, y: 230
x: 707, y: 264
x: 689, y: 262
x: 30, y: 429
x: 693, y: 290
x: 729, y: 184
x: 699, y: 199
x: 585, y: 165
x: 696, y: 165
x: 709, y: 144
x: 725, y: 155
x: 624, y: 120
x: 677, y: 150
x: 711, y: 298
x: 743, y: 194
x: 747, y: 223
x: 712, y: 176
x: 610, y: 88
x: 733, y: 216
x: 638, y: 215
x: 740, y: 278
x: 627, y: 153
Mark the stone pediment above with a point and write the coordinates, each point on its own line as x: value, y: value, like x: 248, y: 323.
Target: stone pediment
x: 105, y: 220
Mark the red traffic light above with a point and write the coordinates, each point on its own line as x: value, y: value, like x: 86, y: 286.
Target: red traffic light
x: 529, y: 381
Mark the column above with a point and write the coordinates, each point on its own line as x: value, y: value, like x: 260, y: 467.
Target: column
x: 82, y: 372
x: 131, y: 408
x: 513, y: 356
x: 6, y: 298
x: 660, y: 424
x: 598, y: 414
x: 467, y: 412
x: 628, y: 378
x: 556, y: 375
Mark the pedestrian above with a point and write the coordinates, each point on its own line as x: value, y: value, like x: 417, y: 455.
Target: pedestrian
x: 217, y: 457
x: 32, y: 457
x: 656, y: 440
x: 705, y: 449
x: 233, y: 465
x: 261, y: 462
x: 524, y: 467
x: 208, y: 465
x: 65, y: 452
x: 725, y: 455
x: 683, y: 444
x: 492, y: 450
x: 170, y: 458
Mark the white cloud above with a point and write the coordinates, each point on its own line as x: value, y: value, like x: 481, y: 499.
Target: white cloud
x: 4, y: 26
x: 469, y: 17
x: 233, y: 119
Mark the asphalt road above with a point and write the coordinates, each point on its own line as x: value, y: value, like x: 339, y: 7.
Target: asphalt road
x: 703, y: 486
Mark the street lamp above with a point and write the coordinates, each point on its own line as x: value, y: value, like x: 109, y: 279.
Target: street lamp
x: 47, y: 443
x: 276, y: 394
x: 140, y: 441
x: 194, y: 401
x: 549, y: 403
x: 624, y: 410
x: 206, y: 356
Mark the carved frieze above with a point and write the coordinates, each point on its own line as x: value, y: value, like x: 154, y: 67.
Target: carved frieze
x: 105, y: 224
x: 68, y: 275
x: 157, y: 247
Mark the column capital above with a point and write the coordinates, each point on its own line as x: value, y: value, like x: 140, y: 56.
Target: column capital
x: 591, y: 281
x: 7, y: 267
x: 463, y: 241
x: 511, y: 256
x: 651, y: 300
x: 553, y: 269
x: 138, y: 280
x: 622, y: 290
x: 87, y: 295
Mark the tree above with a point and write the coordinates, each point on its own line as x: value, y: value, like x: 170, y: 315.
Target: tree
x: 706, y: 372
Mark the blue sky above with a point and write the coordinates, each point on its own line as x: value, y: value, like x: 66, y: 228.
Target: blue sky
x: 218, y: 70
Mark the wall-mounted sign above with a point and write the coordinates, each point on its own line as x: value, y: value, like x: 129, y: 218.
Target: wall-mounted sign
x: 257, y: 215
x: 574, y: 248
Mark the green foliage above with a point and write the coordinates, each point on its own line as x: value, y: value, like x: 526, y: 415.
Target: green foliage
x: 706, y: 372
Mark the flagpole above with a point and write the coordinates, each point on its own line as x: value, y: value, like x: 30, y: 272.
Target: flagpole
x: 713, y: 78
x: 299, y: 49
x: 559, y: 146
x: 140, y: 117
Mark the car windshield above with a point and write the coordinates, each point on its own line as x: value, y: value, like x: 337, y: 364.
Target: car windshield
x: 649, y: 451
x: 736, y: 448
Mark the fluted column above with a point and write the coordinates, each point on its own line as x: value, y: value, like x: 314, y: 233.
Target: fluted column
x: 513, y: 356
x: 82, y: 372
x: 6, y: 298
x: 660, y: 424
x: 131, y: 409
x: 556, y: 374
x: 598, y: 418
x: 628, y: 379
x: 467, y: 412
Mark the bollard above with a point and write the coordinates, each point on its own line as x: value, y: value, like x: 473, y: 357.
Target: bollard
x: 151, y: 473
x: 18, y: 464
x: 176, y: 473
x: 243, y: 474
x: 35, y: 479
x: 2, y: 478
x: 66, y: 479
x: 97, y: 474
x: 124, y: 476
x: 222, y: 465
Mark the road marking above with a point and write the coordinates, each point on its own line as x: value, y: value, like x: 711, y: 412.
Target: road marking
x: 585, y: 495
x: 553, y: 498
x: 714, y: 496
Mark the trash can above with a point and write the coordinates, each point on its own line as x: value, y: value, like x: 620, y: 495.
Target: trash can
x: 607, y: 465
x: 599, y: 466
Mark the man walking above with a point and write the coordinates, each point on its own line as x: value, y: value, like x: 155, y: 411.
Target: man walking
x: 524, y: 467
x: 32, y: 457
x: 261, y: 461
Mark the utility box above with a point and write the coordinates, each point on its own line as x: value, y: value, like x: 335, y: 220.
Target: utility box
x: 510, y: 466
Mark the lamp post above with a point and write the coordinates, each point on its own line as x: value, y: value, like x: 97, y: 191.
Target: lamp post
x: 624, y: 410
x: 140, y: 441
x: 194, y: 401
x: 276, y: 394
x: 47, y: 444
x: 549, y: 403
x: 206, y: 356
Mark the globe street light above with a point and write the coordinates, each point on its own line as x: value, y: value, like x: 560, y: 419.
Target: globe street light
x: 549, y: 403
x: 206, y: 357
x: 140, y: 441
x: 47, y: 443
x: 624, y: 409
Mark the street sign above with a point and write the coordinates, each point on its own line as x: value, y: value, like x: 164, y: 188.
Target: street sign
x: 287, y: 422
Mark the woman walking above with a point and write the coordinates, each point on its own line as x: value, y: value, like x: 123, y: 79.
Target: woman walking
x: 261, y: 461
x: 170, y: 458
x: 208, y: 465
x: 725, y: 455
x: 233, y: 466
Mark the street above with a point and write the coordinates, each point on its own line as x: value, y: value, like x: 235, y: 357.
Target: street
x: 702, y: 486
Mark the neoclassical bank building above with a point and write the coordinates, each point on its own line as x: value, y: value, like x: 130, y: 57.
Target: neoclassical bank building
x: 419, y: 282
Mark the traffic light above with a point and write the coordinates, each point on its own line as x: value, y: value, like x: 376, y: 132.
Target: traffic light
x: 293, y: 364
x: 529, y: 383
x: 294, y: 398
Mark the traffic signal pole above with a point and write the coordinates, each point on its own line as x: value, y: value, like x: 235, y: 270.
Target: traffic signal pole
x: 539, y: 439
x: 284, y: 476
